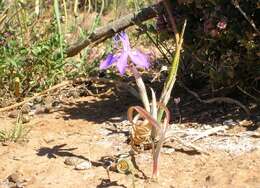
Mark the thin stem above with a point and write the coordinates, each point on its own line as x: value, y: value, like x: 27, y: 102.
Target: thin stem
x: 166, y: 4
x: 57, y: 15
x: 157, y: 46
x: 251, y: 22
x: 102, y: 8
x: 37, y: 7
x: 75, y: 8
x: 141, y: 87
x: 65, y: 14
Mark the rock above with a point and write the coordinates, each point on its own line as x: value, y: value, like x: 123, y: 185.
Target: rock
x: 16, y: 180
x: 56, y: 104
x: 230, y: 122
x: 25, y: 119
x: 48, y: 100
x: 13, y: 178
x: 38, y: 100
x: 12, y: 185
x: 4, y: 184
x: 73, y: 94
x: 13, y: 114
x: 246, y: 123
x: 71, y: 161
x: 32, y: 113
x: 6, y: 143
x: 206, y: 126
x: 83, y: 165
x: 20, y: 185
x: 168, y: 150
x: 26, y: 109
x: 57, y: 116
x: 17, y: 158
x: 40, y: 109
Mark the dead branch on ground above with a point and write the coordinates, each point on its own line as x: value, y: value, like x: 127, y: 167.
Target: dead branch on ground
x: 215, y: 99
x: 69, y: 82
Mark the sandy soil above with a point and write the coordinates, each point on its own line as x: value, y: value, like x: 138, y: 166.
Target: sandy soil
x: 96, y: 130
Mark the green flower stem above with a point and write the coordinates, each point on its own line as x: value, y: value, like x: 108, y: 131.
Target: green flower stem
x: 166, y: 93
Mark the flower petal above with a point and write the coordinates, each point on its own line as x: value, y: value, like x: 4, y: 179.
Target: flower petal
x: 125, y: 41
x: 139, y: 59
x: 122, y: 63
x: 110, y: 59
x: 116, y: 40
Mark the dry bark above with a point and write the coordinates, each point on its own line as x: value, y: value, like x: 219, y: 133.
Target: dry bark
x: 107, y: 31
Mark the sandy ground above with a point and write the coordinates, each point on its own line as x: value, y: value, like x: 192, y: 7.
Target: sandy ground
x: 96, y: 130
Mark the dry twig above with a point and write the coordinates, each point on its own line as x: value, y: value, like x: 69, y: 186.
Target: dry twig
x: 66, y: 83
x: 245, y: 134
x: 189, y: 145
x: 209, y: 132
x: 236, y: 4
x: 166, y: 4
x: 35, y: 96
x: 215, y: 99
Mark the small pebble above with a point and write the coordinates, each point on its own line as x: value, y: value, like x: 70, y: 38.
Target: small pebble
x: 246, y: 123
x: 26, y: 109
x: 56, y: 104
x: 13, y: 114
x: 83, y: 165
x: 205, y: 126
x: 25, y: 119
x: 6, y: 143
x: 38, y: 100
x: 4, y: 183
x: 57, y: 116
x: 71, y: 161
x: 17, y: 158
x: 13, y: 178
x: 40, y: 110
x: 20, y: 185
x: 12, y: 185
x: 229, y: 122
x: 168, y: 150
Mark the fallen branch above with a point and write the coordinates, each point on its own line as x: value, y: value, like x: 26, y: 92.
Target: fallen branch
x: 66, y: 83
x: 215, y: 99
x: 123, y: 85
x: 215, y: 130
x: 35, y: 96
x: 251, y: 22
x: 102, y: 33
x: 245, y: 134
x: 209, y: 132
x: 189, y: 145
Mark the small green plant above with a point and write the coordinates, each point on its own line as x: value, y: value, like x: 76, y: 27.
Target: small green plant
x: 32, y: 44
x: 16, y: 134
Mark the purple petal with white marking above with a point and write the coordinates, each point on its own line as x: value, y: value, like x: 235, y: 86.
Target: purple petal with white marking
x: 122, y: 63
x: 125, y: 41
x: 140, y: 59
x: 110, y: 59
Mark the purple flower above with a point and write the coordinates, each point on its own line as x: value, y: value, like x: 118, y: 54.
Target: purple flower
x: 121, y: 59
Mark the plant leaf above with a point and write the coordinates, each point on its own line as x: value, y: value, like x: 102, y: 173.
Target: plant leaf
x: 144, y: 114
